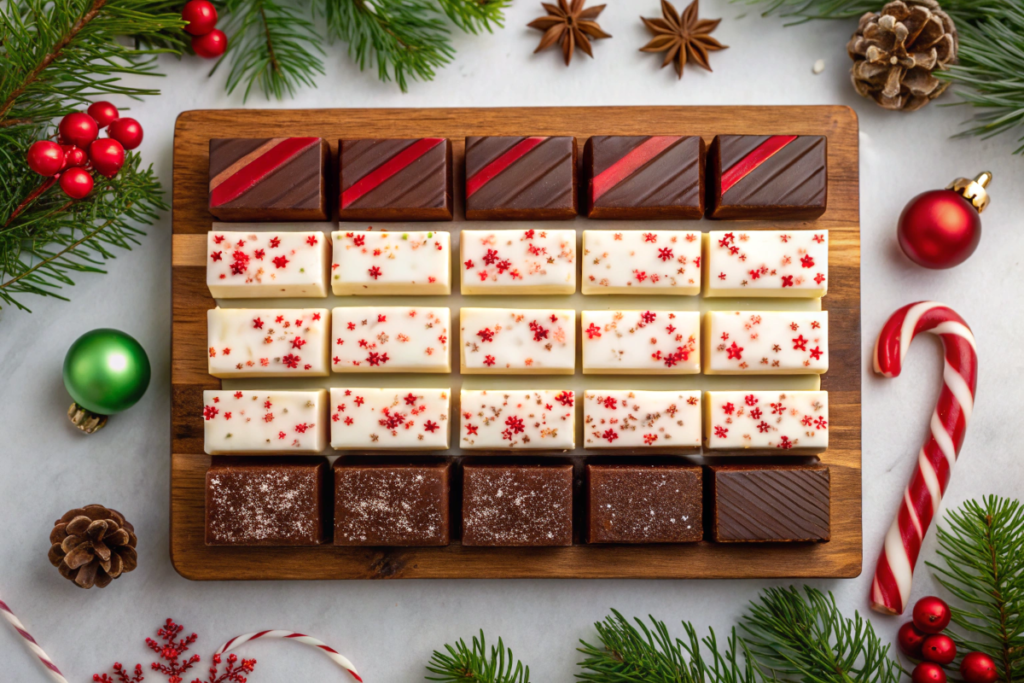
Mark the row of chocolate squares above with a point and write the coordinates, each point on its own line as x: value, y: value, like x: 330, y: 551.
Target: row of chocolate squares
x: 289, y: 503
x: 762, y: 422
x: 522, y: 178
x: 313, y: 342
x: 756, y: 263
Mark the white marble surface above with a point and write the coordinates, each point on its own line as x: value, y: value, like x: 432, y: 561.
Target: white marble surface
x: 390, y: 628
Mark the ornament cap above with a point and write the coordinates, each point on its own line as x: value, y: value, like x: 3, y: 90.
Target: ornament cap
x: 973, y: 190
x: 86, y: 420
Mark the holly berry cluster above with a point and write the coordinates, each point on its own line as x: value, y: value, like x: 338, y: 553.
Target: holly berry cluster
x: 208, y: 41
x: 79, y: 148
x: 923, y: 640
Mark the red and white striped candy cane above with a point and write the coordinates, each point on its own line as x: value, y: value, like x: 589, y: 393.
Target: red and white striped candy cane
x: 30, y: 642
x: 890, y: 589
x: 291, y: 635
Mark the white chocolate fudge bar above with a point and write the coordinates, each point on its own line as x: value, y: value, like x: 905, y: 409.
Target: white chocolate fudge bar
x: 391, y: 339
x: 263, y: 265
x: 518, y: 261
x: 641, y: 419
x: 766, y: 420
x: 372, y: 263
x: 518, y: 341
x: 264, y: 422
x: 641, y: 262
x: 641, y: 342
x: 777, y: 263
x: 388, y: 419
x: 268, y: 342
x: 765, y: 342
x: 499, y: 420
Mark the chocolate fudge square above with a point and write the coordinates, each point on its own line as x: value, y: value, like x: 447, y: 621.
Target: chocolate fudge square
x: 517, y: 505
x: 644, y: 503
x: 760, y: 503
x: 520, y: 178
x: 395, y: 180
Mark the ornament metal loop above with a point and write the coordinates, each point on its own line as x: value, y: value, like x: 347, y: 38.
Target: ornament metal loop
x: 973, y: 190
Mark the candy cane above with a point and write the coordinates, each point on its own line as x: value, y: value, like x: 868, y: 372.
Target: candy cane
x: 31, y: 643
x: 298, y: 637
x: 890, y: 589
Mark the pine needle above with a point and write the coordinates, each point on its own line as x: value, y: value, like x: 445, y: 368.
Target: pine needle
x: 463, y: 664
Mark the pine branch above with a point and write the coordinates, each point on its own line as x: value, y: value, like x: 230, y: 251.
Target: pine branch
x: 473, y: 16
x: 464, y: 664
x: 982, y: 546
x: 806, y: 10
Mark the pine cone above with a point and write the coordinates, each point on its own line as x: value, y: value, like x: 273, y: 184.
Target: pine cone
x: 894, y: 53
x: 93, y: 546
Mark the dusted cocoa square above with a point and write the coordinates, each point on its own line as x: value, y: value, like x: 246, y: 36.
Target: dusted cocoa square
x: 644, y: 176
x: 395, y: 180
x: 767, y: 176
x: 517, y: 505
x: 269, y: 179
x: 392, y: 505
x: 520, y: 178
x: 265, y: 502
x: 760, y: 503
x: 644, y: 504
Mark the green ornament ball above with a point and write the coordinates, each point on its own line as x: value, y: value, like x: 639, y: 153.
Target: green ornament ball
x: 106, y: 371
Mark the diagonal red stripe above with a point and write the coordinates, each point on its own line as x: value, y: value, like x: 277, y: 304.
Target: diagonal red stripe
x: 628, y: 164
x: 247, y: 177
x: 762, y: 153
x: 389, y: 168
x: 488, y: 172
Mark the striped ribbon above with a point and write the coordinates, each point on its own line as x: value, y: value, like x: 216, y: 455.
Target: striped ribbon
x: 298, y: 637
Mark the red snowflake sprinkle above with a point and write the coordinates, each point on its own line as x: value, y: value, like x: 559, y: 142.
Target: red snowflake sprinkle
x: 411, y: 399
x: 210, y: 412
x: 217, y: 255
x: 807, y: 261
x: 469, y: 264
x: 729, y: 408
x: 485, y: 335
x: 721, y: 432
x: 515, y: 424
x: 471, y: 430
x: 665, y: 254
x: 375, y: 272
x: 800, y: 344
x: 311, y: 240
x: 609, y: 435
x: 566, y: 398
x: 787, y: 281
x: 430, y: 427
x: 750, y: 400
x: 784, y: 442
x: 291, y: 361
x: 489, y: 361
x: 257, y: 324
x: 610, y: 403
x: 649, y: 439
x: 735, y: 351
x: 763, y: 427
x: 650, y: 237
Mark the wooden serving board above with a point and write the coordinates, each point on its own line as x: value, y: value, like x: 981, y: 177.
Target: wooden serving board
x: 841, y: 557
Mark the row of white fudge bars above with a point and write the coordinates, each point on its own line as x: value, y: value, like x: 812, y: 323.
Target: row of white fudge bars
x: 755, y: 263
x: 295, y: 422
x: 245, y: 342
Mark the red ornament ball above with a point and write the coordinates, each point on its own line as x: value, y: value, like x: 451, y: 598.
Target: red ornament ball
x: 201, y: 16
x: 127, y: 131
x: 76, y: 182
x: 74, y: 156
x: 45, y: 157
x: 978, y: 667
x: 939, y: 649
x: 107, y: 156
x: 939, y: 229
x: 926, y: 672
x: 931, y: 614
x: 910, y: 638
x: 78, y: 129
x: 211, y: 45
x: 103, y: 112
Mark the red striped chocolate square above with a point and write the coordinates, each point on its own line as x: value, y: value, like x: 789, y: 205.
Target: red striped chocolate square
x: 520, y: 178
x: 268, y: 179
x: 767, y: 176
x: 644, y: 177
x: 396, y: 180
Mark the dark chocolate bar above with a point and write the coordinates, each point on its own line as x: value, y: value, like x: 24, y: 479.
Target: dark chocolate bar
x: 527, y: 178
x: 644, y: 504
x: 770, y: 503
x: 396, y: 180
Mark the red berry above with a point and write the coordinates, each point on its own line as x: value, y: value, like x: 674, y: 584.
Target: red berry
x: 73, y: 156
x: 127, y: 131
x: 45, y: 157
x: 211, y: 45
x: 107, y: 156
x: 201, y: 16
x: 76, y: 182
x: 978, y: 667
x: 103, y: 112
x: 926, y: 672
x: 931, y: 615
x: 78, y: 129
x: 939, y: 649
x: 910, y: 639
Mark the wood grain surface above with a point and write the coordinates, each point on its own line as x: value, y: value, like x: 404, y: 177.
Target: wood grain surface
x: 841, y: 557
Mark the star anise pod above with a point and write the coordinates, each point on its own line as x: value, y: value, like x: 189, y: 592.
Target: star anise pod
x: 682, y: 38
x: 569, y: 24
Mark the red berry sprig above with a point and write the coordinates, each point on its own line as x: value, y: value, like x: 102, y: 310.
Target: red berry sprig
x: 208, y: 41
x: 924, y: 641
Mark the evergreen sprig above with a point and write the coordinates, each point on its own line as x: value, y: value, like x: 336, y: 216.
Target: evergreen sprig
x: 982, y: 548
x: 461, y: 663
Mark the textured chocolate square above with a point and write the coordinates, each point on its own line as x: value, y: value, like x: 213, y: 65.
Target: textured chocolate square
x: 520, y: 178
x: 644, y: 504
x: 265, y: 502
x: 396, y: 180
x: 392, y: 505
x: 517, y: 505
x: 644, y: 177
x: 751, y: 503
x: 767, y: 176
x: 268, y: 179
